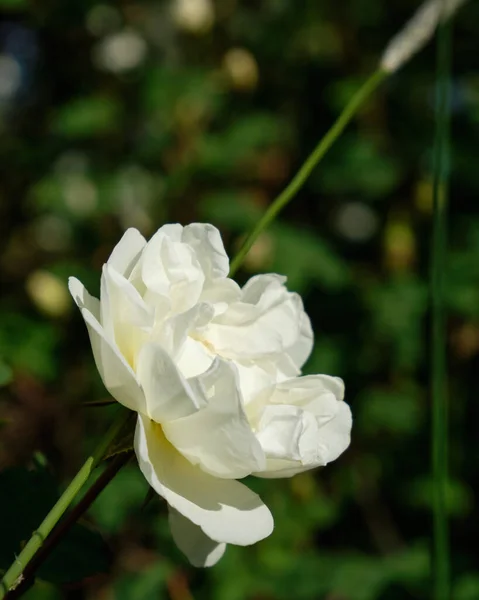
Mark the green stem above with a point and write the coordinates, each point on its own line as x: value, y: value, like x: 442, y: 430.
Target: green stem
x: 305, y: 171
x: 13, y: 577
x: 67, y: 523
x: 440, y: 430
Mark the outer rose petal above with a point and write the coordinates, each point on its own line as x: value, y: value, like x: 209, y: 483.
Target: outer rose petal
x: 172, y: 269
x: 333, y: 439
x: 218, y: 437
x: 289, y: 437
x: 82, y: 298
x: 125, y: 316
x: 335, y: 436
x: 117, y: 375
x: 168, y: 395
x: 226, y: 510
x: 265, y: 321
x: 301, y: 423
x: 299, y: 352
x: 200, y: 550
x: 127, y: 252
x: 206, y: 240
x: 319, y: 394
x: 124, y: 301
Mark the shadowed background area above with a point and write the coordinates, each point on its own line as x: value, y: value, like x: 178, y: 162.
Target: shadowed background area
x: 138, y: 113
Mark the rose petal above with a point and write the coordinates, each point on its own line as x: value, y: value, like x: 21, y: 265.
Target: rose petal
x: 254, y: 378
x: 220, y: 293
x: 194, y: 358
x: 335, y: 436
x: 82, y: 298
x: 117, y: 375
x: 265, y: 321
x: 288, y: 433
x: 125, y: 301
x: 124, y: 314
x: 316, y: 384
x: 168, y: 394
x: 318, y: 394
x: 206, y: 241
x: 301, y: 423
x: 282, y: 469
x: 126, y: 253
x: 199, y: 549
x: 218, y: 437
x: 226, y: 510
x: 178, y: 330
x: 299, y: 352
x: 172, y: 269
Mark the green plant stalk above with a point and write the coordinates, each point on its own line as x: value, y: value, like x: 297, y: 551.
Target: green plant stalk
x: 440, y: 429
x: 67, y: 523
x: 311, y: 162
x: 14, y: 576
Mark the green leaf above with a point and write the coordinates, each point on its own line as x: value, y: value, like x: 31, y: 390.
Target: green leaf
x: 29, y: 344
x: 327, y: 357
x: 397, y: 310
x: 225, y: 152
x: 123, y: 495
x: 42, y: 590
x: 149, y: 584
x: 369, y: 170
x: 170, y: 93
x: 459, y: 498
x: 124, y: 441
x: 87, y: 117
x: 467, y: 587
x: 6, y: 373
x: 305, y: 257
x: 230, y: 208
x: 395, y: 411
x: 13, y: 4
x: 365, y: 577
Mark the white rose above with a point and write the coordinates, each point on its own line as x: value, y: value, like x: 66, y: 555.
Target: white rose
x: 212, y: 370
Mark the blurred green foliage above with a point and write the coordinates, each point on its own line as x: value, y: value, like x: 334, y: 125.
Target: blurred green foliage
x: 145, y: 112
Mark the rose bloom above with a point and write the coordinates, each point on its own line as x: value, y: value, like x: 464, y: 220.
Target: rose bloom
x: 213, y: 371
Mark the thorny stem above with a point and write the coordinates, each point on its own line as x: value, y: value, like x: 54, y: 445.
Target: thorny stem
x: 15, y: 574
x: 70, y: 519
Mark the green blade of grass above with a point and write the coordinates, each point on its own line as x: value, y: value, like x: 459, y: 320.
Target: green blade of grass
x: 441, y: 552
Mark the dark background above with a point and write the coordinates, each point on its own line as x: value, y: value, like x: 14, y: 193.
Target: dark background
x: 139, y: 113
